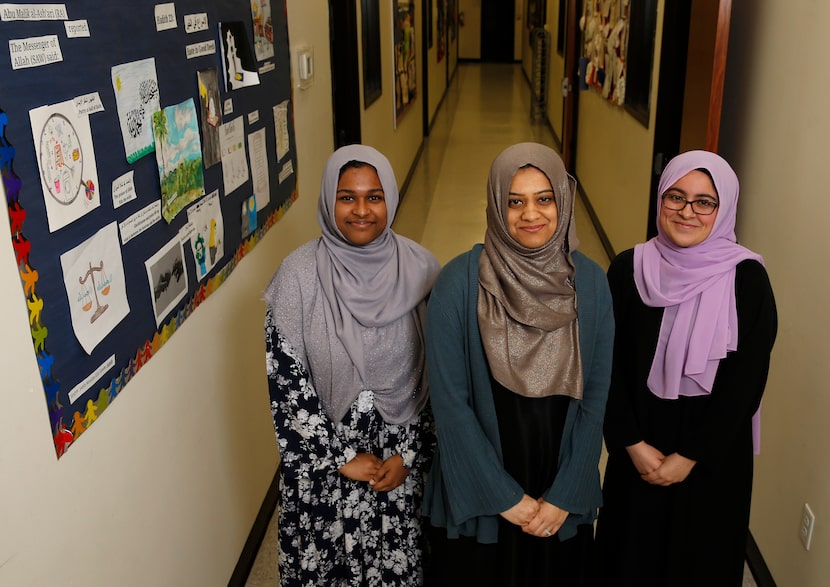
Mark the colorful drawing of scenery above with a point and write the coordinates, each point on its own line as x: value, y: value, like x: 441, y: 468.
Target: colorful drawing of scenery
x: 405, y: 71
x: 179, y: 157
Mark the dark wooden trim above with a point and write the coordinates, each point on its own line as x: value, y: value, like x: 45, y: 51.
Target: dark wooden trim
x: 410, y: 173
x: 757, y: 566
x: 603, y: 237
x: 257, y: 534
x: 718, y: 75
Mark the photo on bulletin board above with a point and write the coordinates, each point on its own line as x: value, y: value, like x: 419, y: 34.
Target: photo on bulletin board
x: 130, y: 192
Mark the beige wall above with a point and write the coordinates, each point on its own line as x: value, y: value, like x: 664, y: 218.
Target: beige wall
x: 556, y: 71
x: 401, y: 144
x: 165, y: 487
x: 774, y: 129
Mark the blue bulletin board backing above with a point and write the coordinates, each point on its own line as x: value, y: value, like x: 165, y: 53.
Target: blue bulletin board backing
x: 146, y: 274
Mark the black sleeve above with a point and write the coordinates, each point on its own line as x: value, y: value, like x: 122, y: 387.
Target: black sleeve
x: 620, y: 428
x: 742, y: 376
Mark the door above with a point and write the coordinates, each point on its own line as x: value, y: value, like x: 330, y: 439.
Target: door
x: 496, y: 34
x: 690, y: 91
x: 569, y: 29
x: 345, y: 77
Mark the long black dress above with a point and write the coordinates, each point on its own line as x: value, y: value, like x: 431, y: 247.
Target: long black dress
x: 692, y: 533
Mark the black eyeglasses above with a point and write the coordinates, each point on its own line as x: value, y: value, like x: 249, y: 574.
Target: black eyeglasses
x: 677, y: 202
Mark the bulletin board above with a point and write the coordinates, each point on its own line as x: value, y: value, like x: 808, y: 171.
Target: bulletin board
x: 145, y: 149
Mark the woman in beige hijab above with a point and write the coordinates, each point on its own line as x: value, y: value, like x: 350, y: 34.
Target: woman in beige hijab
x: 519, y: 340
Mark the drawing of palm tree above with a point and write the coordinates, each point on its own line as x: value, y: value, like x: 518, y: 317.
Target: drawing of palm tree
x: 160, y: 128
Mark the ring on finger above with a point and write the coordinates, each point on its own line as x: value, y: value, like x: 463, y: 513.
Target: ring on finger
x: 547, y: 532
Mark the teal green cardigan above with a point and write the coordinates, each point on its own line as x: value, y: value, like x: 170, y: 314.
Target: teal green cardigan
x: 468, y: 487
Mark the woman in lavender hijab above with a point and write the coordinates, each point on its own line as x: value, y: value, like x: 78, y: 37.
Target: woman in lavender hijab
x: 345, y: 363
x: 696, y: 322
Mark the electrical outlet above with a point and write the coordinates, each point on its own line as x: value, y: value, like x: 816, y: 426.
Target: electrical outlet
x: 808, y: 521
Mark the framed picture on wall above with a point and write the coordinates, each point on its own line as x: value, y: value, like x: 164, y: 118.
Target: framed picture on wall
x: 372, y: 85
x: 404, y: 57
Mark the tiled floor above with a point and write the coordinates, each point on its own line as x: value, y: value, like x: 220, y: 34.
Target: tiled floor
x: 486, y: 109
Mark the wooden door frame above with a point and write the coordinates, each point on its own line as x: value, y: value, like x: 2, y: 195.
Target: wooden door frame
x: 345, y: 75
x: 671, y: 86
x: 570, y: 112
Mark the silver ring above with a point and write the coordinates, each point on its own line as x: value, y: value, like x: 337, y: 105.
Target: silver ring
x: 547, y: 532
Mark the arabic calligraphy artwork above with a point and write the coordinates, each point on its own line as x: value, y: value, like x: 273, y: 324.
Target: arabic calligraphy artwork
x: 137, y: 96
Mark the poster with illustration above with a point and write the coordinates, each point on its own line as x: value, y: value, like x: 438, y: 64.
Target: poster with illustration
x: 93, y: 274
x: 66, y: 161
x: 210, y: 115
x: 179, y: 157
x: 238, y: 64
x: 404, y: 51
x: 137, y: 98
x: 208, y: 239
x: 248, y: 217
x: 263, y: 29
x: 234, y: 161
x: 167, y: 278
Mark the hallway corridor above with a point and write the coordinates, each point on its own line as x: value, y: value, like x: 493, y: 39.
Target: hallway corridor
x: 485, y: 110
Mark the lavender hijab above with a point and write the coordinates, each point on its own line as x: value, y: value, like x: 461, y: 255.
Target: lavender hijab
x: 365, y: 327
x: 695, y: 285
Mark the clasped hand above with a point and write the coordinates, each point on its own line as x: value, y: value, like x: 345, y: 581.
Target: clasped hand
x: 536, y: 516
x: 656, y: 468
x: 381, y: 475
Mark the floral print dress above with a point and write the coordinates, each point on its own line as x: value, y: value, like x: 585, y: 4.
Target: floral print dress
x: 334, y: 531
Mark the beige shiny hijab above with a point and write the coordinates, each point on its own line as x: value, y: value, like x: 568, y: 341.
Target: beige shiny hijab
x: 527, y: 311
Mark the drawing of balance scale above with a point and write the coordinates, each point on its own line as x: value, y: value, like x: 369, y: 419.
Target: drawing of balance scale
x: 99, y: 309
x: 62, y: 161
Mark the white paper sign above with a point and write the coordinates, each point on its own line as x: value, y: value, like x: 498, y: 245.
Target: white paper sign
x: 281, y: 129
x: 165, y: 16
x: 227, y: 107
x: 253, y: 117
x: 286, y: 170
x: 9, y: 12
x: 259, y: 168
x: 35, y: 51
x: 88, y: 104
x: 76, y: 28
x: 140, y: 221
x: 123, y: 190
x: 87, y: 383
x: 200, y: 49
x: 193, y: 23
x: 232, y: 147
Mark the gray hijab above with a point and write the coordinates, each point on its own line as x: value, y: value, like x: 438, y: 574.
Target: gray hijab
x: 527, y: 302
x: 370, y: 334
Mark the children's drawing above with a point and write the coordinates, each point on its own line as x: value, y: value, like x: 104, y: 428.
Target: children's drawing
x: 238, y: 63
x: 404, y: 37
x: 263, y: 29
x: 68, y: 174
x: 93, y: 274
x: 167, y: 277
x: 211, y: 114
x: 208, y: 240
x: 179, y: 157
x: 249, y: 220
x: 234, y: 159
x: 258, y: 153
x: 137, y: 98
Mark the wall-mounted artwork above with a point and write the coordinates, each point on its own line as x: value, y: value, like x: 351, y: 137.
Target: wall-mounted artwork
x: 605, y: 28
x: 372, y: 86
x: 404, y: 51
x: 115, y: 250
x: 441, y: 30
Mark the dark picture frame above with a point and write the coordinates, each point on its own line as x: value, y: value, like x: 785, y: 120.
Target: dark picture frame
x: 640, y: 62
x: 372, y: 78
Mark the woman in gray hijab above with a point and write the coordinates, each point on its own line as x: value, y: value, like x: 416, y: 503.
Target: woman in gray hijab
x: 345, y: 362
x: 519, y: 339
